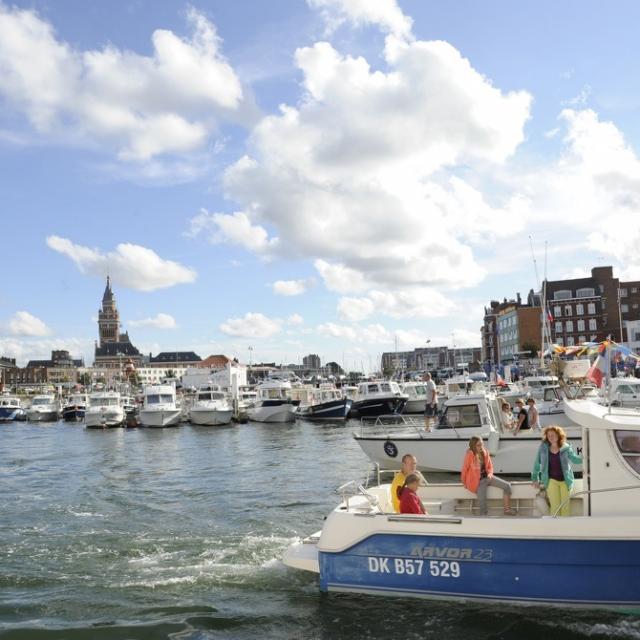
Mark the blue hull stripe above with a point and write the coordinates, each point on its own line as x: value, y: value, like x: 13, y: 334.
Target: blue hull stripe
x: 525, y: 570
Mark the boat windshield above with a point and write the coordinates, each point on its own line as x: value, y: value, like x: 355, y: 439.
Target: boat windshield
x: 204, y: 396
x: 42, y: 401
x: 420, y: 390
x: 372, y: 388
x: 628, y: 389
x: 103, y: 401
x: 273, y: 394
x: 629, y: 445
x: 460, y: 417
x: 159, y: 398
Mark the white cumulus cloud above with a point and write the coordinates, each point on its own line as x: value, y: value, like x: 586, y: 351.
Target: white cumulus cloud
x: 289, y: 287
x: 140, y: 106
x: 130, y: 265
x: 384, y: 13
x: 295, y: 319
x: 374, y: 206
x: 160, y: 321
x: 23, y: 323
x: 252, y: 325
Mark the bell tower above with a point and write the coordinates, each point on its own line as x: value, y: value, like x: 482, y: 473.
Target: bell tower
x: 108, y: 317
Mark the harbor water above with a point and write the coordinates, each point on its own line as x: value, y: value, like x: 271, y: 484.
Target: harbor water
x: 178, y: 533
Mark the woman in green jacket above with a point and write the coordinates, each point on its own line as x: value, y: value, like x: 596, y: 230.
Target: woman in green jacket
x: 552, y: 468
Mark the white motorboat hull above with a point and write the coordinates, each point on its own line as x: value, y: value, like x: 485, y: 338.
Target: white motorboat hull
x: 278, y: 413
x: 415, y: 406
x: 438, y: 452
x: 43, y: 416
x: 112, y: 417
x: 210, y: 417
x: 160, y: 418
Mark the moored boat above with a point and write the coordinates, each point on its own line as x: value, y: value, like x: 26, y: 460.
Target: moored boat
x: 159, y: 407
x: 324, y: 403
x: 416, y: 393
x: 104, y: 410
x: 44, y: 408
x: 75, y: 408
x: 443, y: 447
x: 211, y: 407
x: 274, y: 403
x: 589, y: 559
x: 11, y: 408
x: 377, y: 398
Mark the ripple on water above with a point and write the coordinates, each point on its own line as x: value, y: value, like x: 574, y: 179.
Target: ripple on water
x: 179, y: 534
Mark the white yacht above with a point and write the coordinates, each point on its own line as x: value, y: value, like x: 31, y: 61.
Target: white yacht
x: 104, y: 410
x: 211, y: 407
x: 416, y: 393
x: 443, y: 448
x: 534, y: 386
x: 159, y: 408
x: 274, y: 403
x: 44, y: 408
x: 11, y: 408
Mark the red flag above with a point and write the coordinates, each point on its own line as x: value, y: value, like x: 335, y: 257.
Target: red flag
x: 549, y: 316
x: 596, y: 372
x: 500, y: 381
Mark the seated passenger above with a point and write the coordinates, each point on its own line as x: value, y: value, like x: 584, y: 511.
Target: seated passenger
x: 409, y: 465
x: 409, y: 500
x: 477, y: 475
x: 523, y: 417
x: 506, y: 416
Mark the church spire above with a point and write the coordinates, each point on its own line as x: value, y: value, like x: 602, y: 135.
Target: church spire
x: 108, y: 293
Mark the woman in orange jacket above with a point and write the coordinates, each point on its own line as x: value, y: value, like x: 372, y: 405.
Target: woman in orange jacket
x: 477, y: 475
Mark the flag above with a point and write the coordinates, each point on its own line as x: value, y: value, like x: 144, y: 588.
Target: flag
x: 549, y: 316
x: 500, y: 381
x: 597, y: 370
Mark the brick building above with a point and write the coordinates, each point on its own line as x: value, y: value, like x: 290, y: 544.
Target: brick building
x: 592, y: 308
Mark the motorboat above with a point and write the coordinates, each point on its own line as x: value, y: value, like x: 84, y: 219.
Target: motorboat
x: 128, y: 403
x: 104, y: 410
x: 75, y: 407
x: 416, y: 393
x: 324, y: 403
x: 625, y: 392
x: 159, y: 408
x: 589, y: 559
x: 442, y: 448
x: 380, y: 397
x: 44, y: 408
x: 11, y: 408
x: 274, y: 402
x: 534, y: 386
x: 246, y: 398
x: 211, y: 407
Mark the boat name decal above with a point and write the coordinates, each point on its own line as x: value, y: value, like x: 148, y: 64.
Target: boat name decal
x: 414, y: 567
x: 462, y: 553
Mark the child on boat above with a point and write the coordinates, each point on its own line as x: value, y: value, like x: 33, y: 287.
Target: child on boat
x: 409, y: 500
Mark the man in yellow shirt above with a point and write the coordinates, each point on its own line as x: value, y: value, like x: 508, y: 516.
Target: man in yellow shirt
x: 409, y: 465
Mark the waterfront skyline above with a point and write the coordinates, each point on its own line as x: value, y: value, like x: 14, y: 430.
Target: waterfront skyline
x: 330, y: 177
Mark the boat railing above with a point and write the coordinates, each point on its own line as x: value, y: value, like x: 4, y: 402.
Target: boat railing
x: 589, y: 492
x: 354, y: 488
x: 378, y: 424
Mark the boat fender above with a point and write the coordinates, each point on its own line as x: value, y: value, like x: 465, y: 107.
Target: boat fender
x: 493, y: 443
x: 390, y: 449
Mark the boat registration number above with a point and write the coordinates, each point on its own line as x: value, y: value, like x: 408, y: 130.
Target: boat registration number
x: 414, y: 567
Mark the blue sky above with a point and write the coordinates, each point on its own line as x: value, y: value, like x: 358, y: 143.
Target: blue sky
x: 330, y: 176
